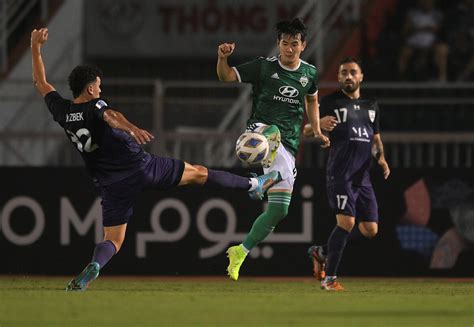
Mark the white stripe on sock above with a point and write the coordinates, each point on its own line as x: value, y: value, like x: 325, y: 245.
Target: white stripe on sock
x: 245, y: 249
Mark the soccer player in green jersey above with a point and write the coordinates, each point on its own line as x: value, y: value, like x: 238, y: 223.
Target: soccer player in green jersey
x: 281, y: 87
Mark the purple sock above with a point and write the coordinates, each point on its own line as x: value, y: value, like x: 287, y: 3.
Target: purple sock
x: 103, y: 252
x: 226, y: 179
x: 336, y: 244
x: 356, y: 234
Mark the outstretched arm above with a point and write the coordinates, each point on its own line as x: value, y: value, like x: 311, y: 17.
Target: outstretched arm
x: 38, y: 38
x: 378, y: 153
x: 312, y: 111
x: 115, y: 119
x: 224, y: 71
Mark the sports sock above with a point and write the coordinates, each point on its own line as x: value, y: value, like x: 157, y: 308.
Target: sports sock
x: 356, y: 234
x: 226, y: 179
x: 336, y: 244
x: 278, y: 204
x: 103, y: 252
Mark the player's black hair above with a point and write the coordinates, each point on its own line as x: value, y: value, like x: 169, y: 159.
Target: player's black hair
x: 349, y: 60
x: 292, y: 27
x: 81, y: 76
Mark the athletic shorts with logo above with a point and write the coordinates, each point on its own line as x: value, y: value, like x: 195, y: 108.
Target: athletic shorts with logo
x: 357, y: 201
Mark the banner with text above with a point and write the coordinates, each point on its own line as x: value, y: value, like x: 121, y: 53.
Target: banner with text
x: 50, y: 220
x: 177, y: 28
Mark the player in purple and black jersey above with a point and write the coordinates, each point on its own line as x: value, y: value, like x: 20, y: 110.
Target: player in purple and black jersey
x: 110, y: 147
x: 353, y: 125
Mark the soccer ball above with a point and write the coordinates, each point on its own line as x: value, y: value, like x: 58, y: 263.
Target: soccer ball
x: 251, y: 148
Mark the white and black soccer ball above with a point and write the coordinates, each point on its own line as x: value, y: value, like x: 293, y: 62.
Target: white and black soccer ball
x: 251, y: 148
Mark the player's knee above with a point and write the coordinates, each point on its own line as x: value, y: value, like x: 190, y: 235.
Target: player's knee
x: 194, y: 174
x: 346, y: 224
x: 369, y: 230
x: 371, y: 233
x: 200, y: 175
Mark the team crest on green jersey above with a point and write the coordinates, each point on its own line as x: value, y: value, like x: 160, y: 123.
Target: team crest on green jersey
x: 304, y: 81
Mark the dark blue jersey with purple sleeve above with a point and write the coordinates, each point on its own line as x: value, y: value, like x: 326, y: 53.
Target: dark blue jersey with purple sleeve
x: 351, y: 140
x: 110, y: 154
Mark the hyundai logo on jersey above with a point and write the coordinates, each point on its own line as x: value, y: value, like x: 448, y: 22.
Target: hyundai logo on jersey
x: 288, y: 91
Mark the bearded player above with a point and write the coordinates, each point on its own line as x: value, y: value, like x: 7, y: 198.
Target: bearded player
x: 353, y: 125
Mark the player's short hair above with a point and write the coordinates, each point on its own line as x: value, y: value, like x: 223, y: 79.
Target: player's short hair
x: 292, y: 27
x: 81, y: 76
x: 349, y: 60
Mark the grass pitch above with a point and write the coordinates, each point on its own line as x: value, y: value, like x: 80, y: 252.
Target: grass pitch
x: 35, y: 301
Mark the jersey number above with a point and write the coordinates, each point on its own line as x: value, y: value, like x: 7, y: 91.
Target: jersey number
x: 341, y: 201
x: 340, y: 111
x: 86, y: 146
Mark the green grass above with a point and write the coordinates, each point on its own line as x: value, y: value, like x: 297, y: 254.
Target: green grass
x: 26, y: 301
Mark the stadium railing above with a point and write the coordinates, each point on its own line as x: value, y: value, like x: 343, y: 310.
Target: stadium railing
x: 423, y: 125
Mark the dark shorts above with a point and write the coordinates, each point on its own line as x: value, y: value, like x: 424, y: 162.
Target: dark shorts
x: 354, y: 201
x: 118, y: 198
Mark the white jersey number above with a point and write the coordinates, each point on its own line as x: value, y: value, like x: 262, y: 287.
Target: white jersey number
x: 341, y: 201
x: 86, y: 146
x: 341, y: 115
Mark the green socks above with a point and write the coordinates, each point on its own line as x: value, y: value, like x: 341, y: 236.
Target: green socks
x: 278, y: 204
